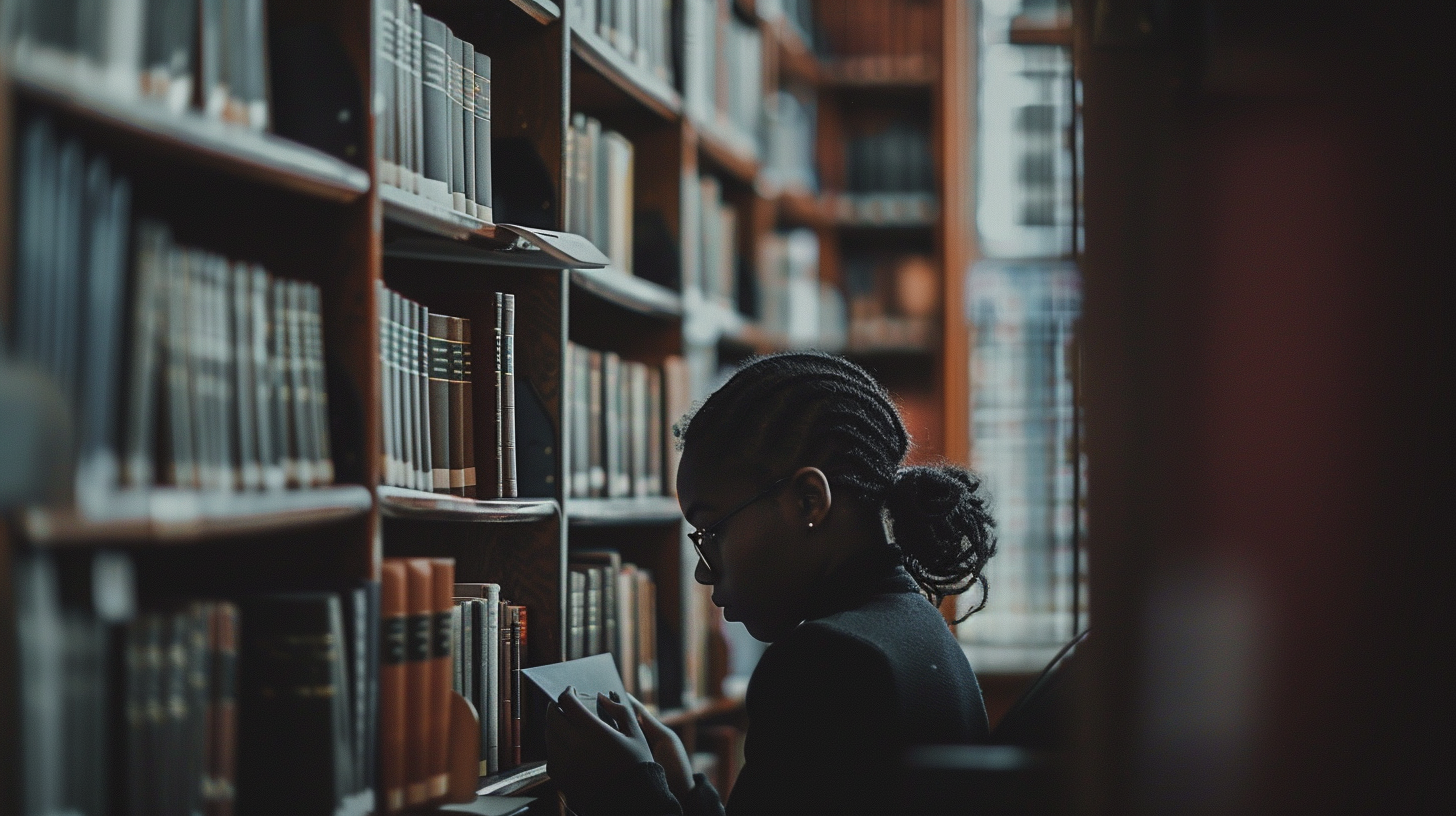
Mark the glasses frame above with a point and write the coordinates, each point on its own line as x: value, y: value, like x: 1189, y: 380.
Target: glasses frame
x: 709, y: 535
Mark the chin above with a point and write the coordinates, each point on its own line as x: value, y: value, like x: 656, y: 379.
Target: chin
x: 766, y: 632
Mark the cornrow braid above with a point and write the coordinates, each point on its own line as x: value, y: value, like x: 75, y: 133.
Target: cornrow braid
x: 808, y: 408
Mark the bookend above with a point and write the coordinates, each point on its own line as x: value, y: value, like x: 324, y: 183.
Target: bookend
x: 464, y: 750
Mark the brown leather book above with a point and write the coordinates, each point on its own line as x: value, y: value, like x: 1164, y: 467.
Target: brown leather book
x: 442, y: 582
x: 419, y: 600
x: 392, y: 651
x: 439, y: 399
x: 467, y: 409
x: 504, y: 714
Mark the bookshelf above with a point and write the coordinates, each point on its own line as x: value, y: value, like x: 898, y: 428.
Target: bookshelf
x: 335, y: 222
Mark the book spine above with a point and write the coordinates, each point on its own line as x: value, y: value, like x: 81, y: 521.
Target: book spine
x: 99, y: 471
x: 490, y: 712
x: 420, y: 357
x: 484, y: 201
x: 386, y: 105
x: 148, y: 305
x: 596, y: 393
x: 418, y: 721
x: 179, y: 373
x: 467, y: 409
x: 593, y: 609
x: 467, y: 125
x: 508, y: 398
x: 442, y: 582
x: 417, y: 138
x: 265, y: 380
x: 323, y: 456
x: 302, y: 392
x: 408, y: 393
x: 437, y: 108
x: 576, y: 615
x: 518, y: 662
x: 455, y: 53
x: 404, y: 94
x: 440, y: 425
x: 239, y: 289
x: 393, y: 653
x: 455, y: 393
x: 503, y: 713
x: 498, y: 383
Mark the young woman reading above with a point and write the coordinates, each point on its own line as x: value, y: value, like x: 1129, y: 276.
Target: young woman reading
x: 812, y: 534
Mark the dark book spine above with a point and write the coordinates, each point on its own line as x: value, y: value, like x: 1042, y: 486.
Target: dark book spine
x: 484, y: 206
x: 420, y: 357
x: 518, y: 662
x: 223, y: 691
x: 576, y: 615
x: 503, y: 710
x: 148, y: 303
x: 508, y: 398
x: 455, y: 392
x: 416, y: 74
x: 467, y: 409
x: 467, y: 125
x: 293, y: 742
x: 498, y: 374
x: 108, y: 204
x: 441, y: 428
x: 385, y: 68
x: 437, y: 108
x: 490, y: 712
x: 323, y: 456
x: 455, y: 53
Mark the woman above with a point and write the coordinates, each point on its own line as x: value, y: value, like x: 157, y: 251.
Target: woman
x: 812, y: 534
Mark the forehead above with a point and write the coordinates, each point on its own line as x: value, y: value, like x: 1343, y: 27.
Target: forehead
x: 708, y: 484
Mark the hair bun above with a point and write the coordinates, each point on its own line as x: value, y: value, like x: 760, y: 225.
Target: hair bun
x: 941, y: 524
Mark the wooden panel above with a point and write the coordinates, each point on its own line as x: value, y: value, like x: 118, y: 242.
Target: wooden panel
x: 955, y: 145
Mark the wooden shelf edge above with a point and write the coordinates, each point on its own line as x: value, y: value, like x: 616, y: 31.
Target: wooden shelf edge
x: 515, y: 780
x: 741, y: 163
x: 883, y: 210
x: 649, y: 90
x: 414, y: 210
x: 1028, y: 30
x: 404, y: 503
x: 798, y: 206
x: 542, y: 11
x: 257, y: 156
x: 637, y: 510
x: 915, y: 71
x: 794, y: 54
x: 170, y: 516
x: 629, y: 292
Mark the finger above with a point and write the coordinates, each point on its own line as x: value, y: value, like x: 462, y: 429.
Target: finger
x: 573, y: 710
x: 644, y: 718
x: 619, y: 715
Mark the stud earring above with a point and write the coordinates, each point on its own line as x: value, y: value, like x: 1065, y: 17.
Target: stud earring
x: 811, y: 525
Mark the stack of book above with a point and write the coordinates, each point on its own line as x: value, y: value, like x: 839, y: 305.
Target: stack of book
x: 600, y: 189
x: 429, y: 401
x: 433, y: 124
x: 789, y: 142
x: 891, y: 177
x: 264, y: 704
x: 894, y: 301
x: 618, y: 411
x: 195, y: 371
x: 716, y: 266
x: 792, y: 302
x: 612, y: 609
x: 416, y: 667
x: 640, y: 30
x: 723, y: 72
x: 876, y: 40
x: 490, y: 647
x: 210, y: 56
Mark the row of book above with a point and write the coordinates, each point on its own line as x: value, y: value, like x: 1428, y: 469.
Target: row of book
x: 429, y: 399
x: 618, y: 412
x: 717, y: 261
x: 894, y: 300
x: 882, y: 30
x: 600, y: 170
x: 205, y: 54
x: 433, y: 124
x: 788, y: 138
x: 612, y: 609
x: 640, y: 30
x: 895, y: 159
x: 792, y: 302
x: 260, y: 704
x: 722, y: 72
x: 489, y: 642
x: 798, y: 14
x: 184, y: 367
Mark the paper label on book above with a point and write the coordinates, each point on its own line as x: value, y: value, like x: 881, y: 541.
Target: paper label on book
x: 417, y: 640
x: 442, y: 635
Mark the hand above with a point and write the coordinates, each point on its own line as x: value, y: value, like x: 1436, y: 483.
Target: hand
x: 667, y: 749
x: 585, y: 751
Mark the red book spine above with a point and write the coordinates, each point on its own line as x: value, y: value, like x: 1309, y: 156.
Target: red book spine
x: 392, y: 650
x: 442, y: 580
x: 419, y: 597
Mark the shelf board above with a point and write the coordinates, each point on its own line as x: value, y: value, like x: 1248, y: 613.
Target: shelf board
x: 414, y: 210
x: 1030, y: 30
x: 914, y: 71
x: 629, y: 292
x: 737, y: 160
x: 708, y: 708
x: 637, y: 82
x: 171, y: 516
x: 190, y: 136
x: 404, y: 503
x: 513, y: 781
x: 883, y: 210
x: 542, y: 11
x: 637, y: 510
x: 801, y: 207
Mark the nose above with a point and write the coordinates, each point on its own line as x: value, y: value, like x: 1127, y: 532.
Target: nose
x: 703, y: 575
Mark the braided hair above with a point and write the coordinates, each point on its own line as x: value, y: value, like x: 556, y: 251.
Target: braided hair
x: 795, y: 409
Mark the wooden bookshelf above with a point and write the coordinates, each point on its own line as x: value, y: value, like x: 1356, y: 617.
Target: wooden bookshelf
x: 310, y: 216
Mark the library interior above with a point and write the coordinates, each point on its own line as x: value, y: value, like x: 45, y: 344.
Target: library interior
x: 401, y: 309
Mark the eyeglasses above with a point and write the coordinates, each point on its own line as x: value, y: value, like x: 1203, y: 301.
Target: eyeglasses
x: 708, y: 536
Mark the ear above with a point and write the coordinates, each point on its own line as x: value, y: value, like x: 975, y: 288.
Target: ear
x: 809, y: 490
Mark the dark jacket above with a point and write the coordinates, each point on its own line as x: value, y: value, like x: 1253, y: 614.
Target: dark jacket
x: 833, y: 704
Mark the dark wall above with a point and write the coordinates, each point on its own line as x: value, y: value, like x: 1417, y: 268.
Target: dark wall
x: 1269, y: 277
